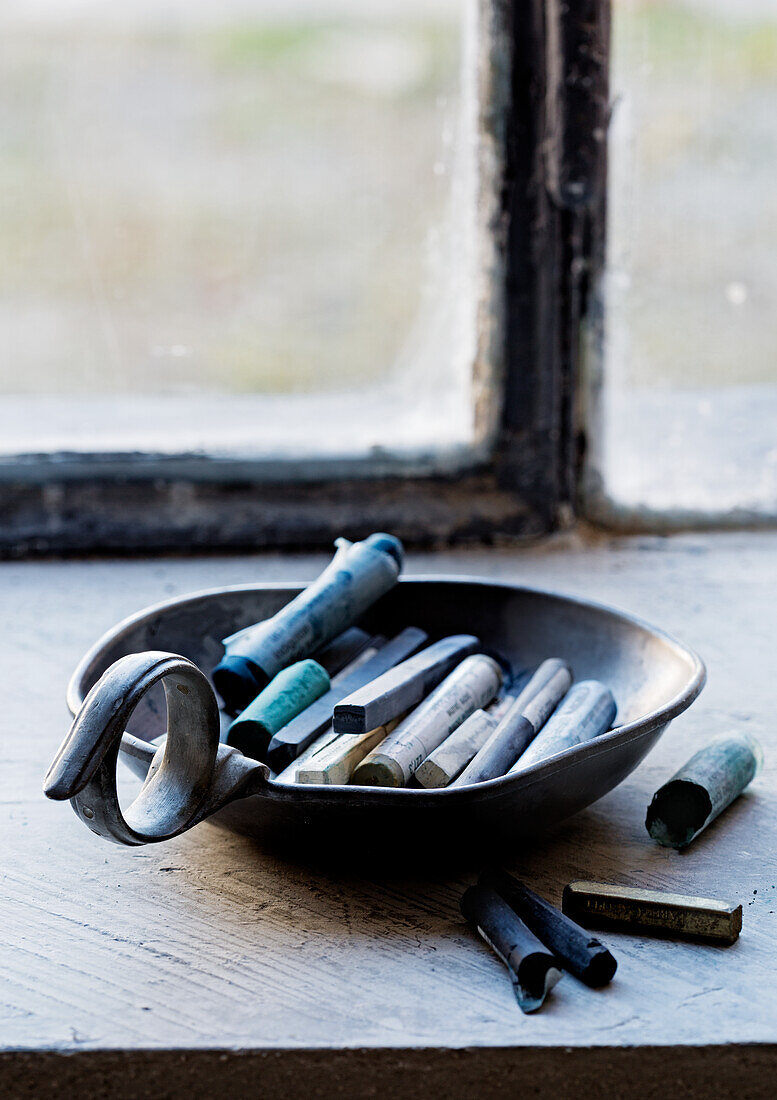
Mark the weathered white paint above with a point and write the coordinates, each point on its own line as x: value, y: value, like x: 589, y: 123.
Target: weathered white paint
x: 206, y: 941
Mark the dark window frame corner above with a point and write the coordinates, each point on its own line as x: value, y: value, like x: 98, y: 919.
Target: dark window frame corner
x: 546, y: 117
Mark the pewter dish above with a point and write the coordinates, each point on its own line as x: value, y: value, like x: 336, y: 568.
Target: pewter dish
x: 652, y: 676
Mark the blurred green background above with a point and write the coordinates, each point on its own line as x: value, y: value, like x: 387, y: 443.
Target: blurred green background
x: 693, y: 201
x: 229, y: 196
x: 250, y: 196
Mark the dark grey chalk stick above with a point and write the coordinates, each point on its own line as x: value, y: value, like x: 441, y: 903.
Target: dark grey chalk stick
x: 345, y: 648
x: 587, y: 711
x: 581, y: 953
x: 519, y: 726
x: 532, y: 968
x: 402, y: 687
x: 294, y: 738
x: 702, y: 789
x: 505, y: 744
x: 357, y: 576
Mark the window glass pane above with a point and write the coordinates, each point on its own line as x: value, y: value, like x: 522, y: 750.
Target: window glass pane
x: 690, y: 398
x: 245, y: 226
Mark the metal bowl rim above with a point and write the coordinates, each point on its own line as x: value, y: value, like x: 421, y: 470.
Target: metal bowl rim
x: 643, y: 725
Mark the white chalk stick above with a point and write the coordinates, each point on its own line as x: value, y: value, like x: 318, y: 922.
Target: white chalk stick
x: 472, y: 685
x: 452, y: 756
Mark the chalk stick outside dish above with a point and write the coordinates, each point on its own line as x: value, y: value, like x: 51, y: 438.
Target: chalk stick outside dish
x: 702, y: 789
x: 444, y: 763
x: 402, y: 687
x: 288, y: 694
x: 357, y: 576
x: 532, y: 968
x: 580, y: 952
x: 470, y: 686
x: 519, y: 726
x: 294, y: 738
x: 657, y: 912
x: 587, y: 712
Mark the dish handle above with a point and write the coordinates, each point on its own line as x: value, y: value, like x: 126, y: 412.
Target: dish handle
x: 191, y: 775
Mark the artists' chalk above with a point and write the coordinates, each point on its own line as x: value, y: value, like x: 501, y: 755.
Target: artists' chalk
x: 499, y: 751
x: 541, y: 695
x: 471, y: 685
x: 402, y: 687
x: 356, y: 577
x: 519, y: 725
x: 582, y: 954
x: 445, y: 762
x: 501, y: 705
x: 366, y: 655
x: 339, y: 653
x: 289, y: 742
x: 630, y: 909
x: 335, y: 762
x: 702, y: 789
x: 532, y: 968
x: 287, y: 695
x: 588, y: 711
x: 289, y: 774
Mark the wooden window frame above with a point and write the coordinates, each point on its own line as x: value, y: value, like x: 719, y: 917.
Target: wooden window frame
x: 544, y: 109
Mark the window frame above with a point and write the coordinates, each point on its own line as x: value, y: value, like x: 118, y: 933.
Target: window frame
x: 543, y: 91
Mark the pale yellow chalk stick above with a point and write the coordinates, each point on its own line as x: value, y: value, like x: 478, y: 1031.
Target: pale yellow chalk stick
x: 289, y: 774
x: 334, y: 764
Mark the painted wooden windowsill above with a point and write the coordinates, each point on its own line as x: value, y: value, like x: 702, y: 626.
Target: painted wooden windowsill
x: 204, y: 959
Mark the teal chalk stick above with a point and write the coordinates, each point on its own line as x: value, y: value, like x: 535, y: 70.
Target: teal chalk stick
x: 702, y: 789
x: 286, y: 696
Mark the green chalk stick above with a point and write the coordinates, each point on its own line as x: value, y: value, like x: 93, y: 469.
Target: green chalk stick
x: 287, y: 695
x: 702, y: 789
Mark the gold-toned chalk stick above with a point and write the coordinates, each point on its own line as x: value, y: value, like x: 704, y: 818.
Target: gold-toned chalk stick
x: 631, y: 909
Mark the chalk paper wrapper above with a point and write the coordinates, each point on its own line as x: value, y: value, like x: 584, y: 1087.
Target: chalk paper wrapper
x: 358, y: 575
x: 468, y: 688
x: 519, y: 726
x: 446, y: 761
x: 587, y: 712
